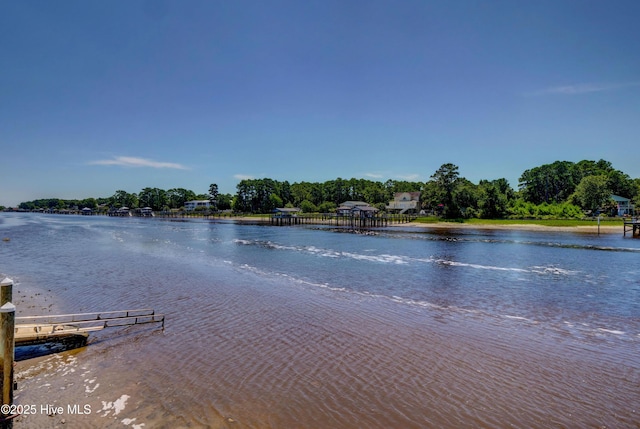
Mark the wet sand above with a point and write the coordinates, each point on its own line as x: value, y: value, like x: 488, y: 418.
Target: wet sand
x: 604, y: 229
x: 369, y: 367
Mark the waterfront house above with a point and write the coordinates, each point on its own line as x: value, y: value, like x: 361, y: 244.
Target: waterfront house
x: 624, y: 206
x: 197, y: 204
x: 122, y: 212
x: 347, y: 207
x: 356, y: 208
x: 286, y: 211
x: 146, y: 212
x: 404, y: 202
x: 364, y: 211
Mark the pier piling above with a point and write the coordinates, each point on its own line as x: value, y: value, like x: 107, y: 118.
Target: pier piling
x: 7, y: 350
x: 632, y: 226
x: 351, y: 221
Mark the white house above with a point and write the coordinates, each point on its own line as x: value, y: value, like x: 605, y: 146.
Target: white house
x: 624, y: 205
x: 192, y: 205
x: 404, y: 202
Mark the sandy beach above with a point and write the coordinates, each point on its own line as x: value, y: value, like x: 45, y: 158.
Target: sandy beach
x: 604, y: 229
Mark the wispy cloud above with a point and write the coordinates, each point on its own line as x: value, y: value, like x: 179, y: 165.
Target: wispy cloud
x: 130, y: 161
x: 584, y: 88
x: 410, y: 177
x: 374, y: 175
x: 243, y: 177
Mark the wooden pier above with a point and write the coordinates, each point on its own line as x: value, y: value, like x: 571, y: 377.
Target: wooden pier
x: 351, y: 221
x: 633, y: 226
x: 33, y: 330
x: 70, y: 329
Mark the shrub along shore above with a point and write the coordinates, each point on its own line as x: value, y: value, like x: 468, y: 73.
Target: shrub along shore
x: 606, y: 226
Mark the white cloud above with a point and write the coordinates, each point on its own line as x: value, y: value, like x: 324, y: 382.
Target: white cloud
x: 585, y: 88
x: 130, y: 161
x: 410, y: 177
x: 374, y: 175
x: 578, y: 89
x: 243, y: 177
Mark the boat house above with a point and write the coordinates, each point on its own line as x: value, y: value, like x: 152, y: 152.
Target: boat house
x: 286, y: 211
x: 146, y: 212
x: 357, y: 209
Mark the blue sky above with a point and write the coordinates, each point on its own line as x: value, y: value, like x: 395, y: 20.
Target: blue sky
x: 107, y: 95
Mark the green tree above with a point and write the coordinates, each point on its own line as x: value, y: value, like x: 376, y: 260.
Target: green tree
x: 124, y: 199
x: 620, y: 183
x: 224, y: 201
x: 592, y: 192
x: 393, y: 186
x: 494, y: 198
x: 304, y: 191
x: 254, y: 195
x: 153, y: 197
x: 327, y: 207
x: 635, y: 193
x: 445, y: 181
x: 89, y: 202
x: 27, y: 205
x: 283, y: 190
x: 492, y: 203
x: 176, y: 197
x: 335, y: 191
x: 556, y: 182
x: 236, y: 204
x: 375, y: 193
x: 213, y: 196
x: 243, y: 197
x: 274, y: 202
x: 430, y: 197
x: 549, y: 183
x: 465, y: 198
x: 308, y: 207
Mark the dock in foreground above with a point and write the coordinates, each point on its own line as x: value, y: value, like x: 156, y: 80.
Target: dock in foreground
x: 34, y: 330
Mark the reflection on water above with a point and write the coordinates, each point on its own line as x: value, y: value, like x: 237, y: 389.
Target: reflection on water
x: 301, y: 327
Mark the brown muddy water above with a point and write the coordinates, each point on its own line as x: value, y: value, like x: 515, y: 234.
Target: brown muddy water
x: 273, y: 327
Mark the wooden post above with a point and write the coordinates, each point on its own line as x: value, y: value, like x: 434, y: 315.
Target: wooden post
x: 6, y: 291
x: 7, y: 348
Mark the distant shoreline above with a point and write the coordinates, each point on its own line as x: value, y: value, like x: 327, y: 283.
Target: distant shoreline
x: 477, y: 225
x: 604, y: 229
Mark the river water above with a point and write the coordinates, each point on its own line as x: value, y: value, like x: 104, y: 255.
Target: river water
x: 309, y: 327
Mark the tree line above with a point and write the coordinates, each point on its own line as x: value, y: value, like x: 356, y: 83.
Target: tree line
x: 157, y: 199
x: 263, y: 195
x: 562, y: 189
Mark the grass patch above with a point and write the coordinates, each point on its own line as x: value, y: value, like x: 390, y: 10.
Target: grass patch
x: 425, y: 219
x: 542, y: 222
